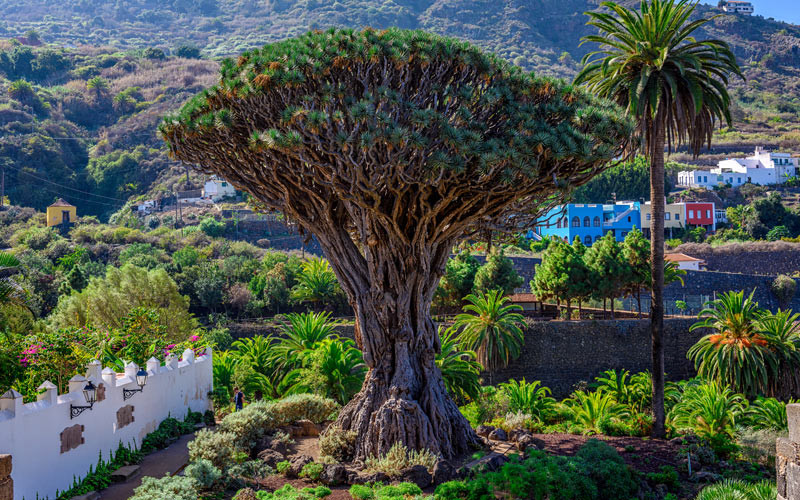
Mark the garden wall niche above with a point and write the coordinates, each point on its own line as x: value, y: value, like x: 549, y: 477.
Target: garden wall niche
x: 41, y: 436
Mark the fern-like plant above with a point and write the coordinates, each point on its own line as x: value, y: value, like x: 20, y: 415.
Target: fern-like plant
x: 735, y: 489
x: 528, y: 397
x: 590, y: 409
x: 710, y: 410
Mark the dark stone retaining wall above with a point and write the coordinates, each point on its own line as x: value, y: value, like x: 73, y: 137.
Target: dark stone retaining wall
x: 564, y: 353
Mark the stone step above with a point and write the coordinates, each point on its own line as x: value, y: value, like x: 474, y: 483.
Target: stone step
x: 125, y: 473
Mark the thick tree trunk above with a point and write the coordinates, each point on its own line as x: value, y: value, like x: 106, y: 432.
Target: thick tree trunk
x: 403, y: 398
x: 657, y: 200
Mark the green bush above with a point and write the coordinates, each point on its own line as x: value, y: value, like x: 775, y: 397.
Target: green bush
x: 216, y: 447
x: 378, y: 491
x: 311, y: 471
x: 289, y: 492
x: 204, y: 472
x: 596, y: 473
x: 171, y: 487
x: 668, y: 477
x: 398, y: 458
x: 739, y: 490
x: 338, y: 444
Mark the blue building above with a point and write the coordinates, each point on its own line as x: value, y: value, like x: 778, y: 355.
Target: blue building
x: 590, y: 221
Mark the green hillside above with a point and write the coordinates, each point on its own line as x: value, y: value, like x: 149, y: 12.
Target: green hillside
x: 99, y: 137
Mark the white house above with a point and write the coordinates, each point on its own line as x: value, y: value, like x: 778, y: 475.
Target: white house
x: 685, y: 262
x: 217, y: 189
x: 738, y: 7
x: 763, y: 167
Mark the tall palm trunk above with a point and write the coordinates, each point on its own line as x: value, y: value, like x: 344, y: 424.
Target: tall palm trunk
x: 657, y: 202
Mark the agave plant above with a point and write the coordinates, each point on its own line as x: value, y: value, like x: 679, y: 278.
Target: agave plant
x: 589, y: 409
x: 460, y: 370
x: 493, y: 331
x: 709, y: 409
x: 735, y: 489
x: 528, y: 397
x: 737, y: 353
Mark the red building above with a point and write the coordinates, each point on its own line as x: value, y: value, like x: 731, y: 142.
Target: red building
x: 700, y: 214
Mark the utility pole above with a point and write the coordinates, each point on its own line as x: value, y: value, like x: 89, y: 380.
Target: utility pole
x: 176, y: 210
x: 3, y: 187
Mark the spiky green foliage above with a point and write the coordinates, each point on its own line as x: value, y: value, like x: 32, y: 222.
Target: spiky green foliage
x: 460, y: 370
x: 493, y: 330
x: 530, y: 398
x: 756, y: 352
x: 736, y: 489
x: 316, y: 283
x: 768, y: 413
x: 591, y: 409
x: 709, y: 410
x: 650, y: 63
x: 333, y: 368
x: 301, y: 331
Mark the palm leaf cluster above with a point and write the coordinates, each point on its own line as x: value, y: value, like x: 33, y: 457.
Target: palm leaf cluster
x: 650, y: 62
x: 754, y: 351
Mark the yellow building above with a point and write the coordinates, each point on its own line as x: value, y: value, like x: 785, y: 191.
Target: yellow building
x: 61, y: 212
x: 674, y: 217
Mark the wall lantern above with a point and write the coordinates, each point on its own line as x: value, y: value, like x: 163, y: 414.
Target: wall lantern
x: 90, y: 395
x: 141, y: 380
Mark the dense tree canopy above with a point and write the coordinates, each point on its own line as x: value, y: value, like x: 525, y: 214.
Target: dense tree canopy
x: 390, y: 146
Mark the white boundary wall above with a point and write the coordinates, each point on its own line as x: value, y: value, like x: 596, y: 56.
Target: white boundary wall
x: 31, y: 433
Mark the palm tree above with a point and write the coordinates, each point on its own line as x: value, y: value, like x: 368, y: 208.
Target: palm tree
x: 494, y: 330
x: 334, y: 368
x: 11, y: 293
x: 675, y: 87
x: 737, y: 353
x: 460, y: 371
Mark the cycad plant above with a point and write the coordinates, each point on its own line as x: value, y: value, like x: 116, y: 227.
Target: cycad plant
x: 224, y: 369
x: 736, y: 353
x: 674, y: 86
x: 301, y: 331
x: 736, y: 489
x: 631, y: 390
x: 460, y: 370
x: 11, y: 293
x: 333, y: 368
x: 782, y: 334
x: 316, y: 283
x: 528, y: 397
x: 590, y: 409
x: 710, y: 410
x: 768, y: 413
x: 493, y: 330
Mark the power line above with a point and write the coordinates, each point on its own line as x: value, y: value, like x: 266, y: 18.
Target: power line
x: 66, y: 187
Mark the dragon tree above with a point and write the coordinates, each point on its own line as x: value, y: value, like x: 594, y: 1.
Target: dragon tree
x: 391, y: 146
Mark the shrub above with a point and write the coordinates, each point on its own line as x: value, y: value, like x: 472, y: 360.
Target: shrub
x: 668, y: 477
x: 528, y: 397
x: 172, y: 487
x: 216, y: 447
x: 282, y: 466
x: 311, y: 471
x: 338, y: 444
x: 709, y: 410
x: 783, y: 288
x: 378, y: 491
x: 607, y: 470
x: 768, y: 413
x: 758, y: 445
x: 204, y: 472
x: 590, y: 409
x: 289, y: 492
x: 398, y: 458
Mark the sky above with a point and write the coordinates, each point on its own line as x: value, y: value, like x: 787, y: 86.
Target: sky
x: 781, y: 10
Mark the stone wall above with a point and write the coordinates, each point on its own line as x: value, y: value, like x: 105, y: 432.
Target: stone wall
x: 6, y: 483
x: 787, y: 461
x: 564, y: 353
x: 768, y: 258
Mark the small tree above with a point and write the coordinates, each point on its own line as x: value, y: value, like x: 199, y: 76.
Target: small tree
x: 497, y: 273
x: 562, y: 275
x: 783, y: 288
x: 458, y: 280
x: 636, y: 252
x: 390, y: 147
x: 605, y: 260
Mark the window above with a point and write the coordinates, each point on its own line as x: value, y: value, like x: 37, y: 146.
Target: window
x: 597, y: 238
x: 629, y: 218
x: 558, y: 223
x: 596, y: 221
x: 587, y: 240
x: 691, y: 214
x: 587, y: 222
x: 648, y: 216
x: 576, y: 222
x: 708, y: 214
x: 705, y: 178
x: 677, y: 216
x: 666, y: 215
x: 224, y: 184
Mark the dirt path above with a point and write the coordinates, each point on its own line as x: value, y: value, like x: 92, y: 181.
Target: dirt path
x: 168, y: 460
